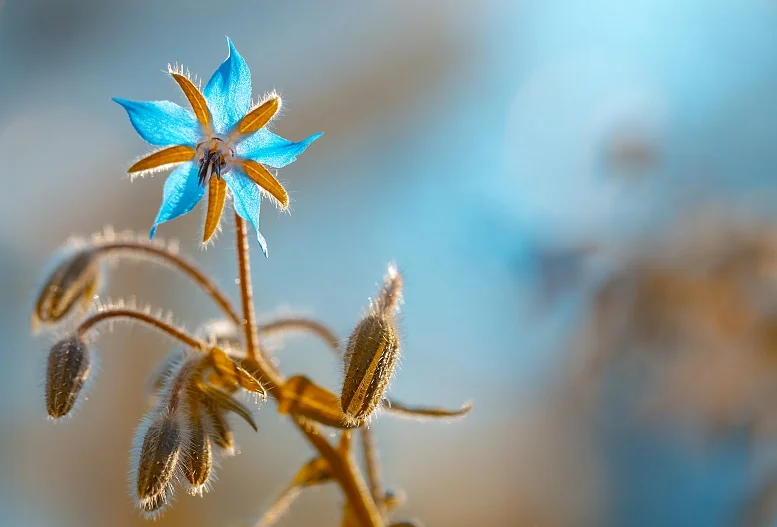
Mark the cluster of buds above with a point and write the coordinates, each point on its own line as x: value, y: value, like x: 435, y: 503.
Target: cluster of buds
x: 199, y: 384
x: 176, y: 439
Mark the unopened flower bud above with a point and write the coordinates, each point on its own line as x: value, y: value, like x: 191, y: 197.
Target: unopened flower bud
x: 68, y: 368
x: 372, y: 353
x: 157, y: 462
x: 219, y: 429
x: 198, y: 455
x: 73, y: 281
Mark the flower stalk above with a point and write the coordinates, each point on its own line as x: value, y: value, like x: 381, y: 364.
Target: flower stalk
x: 222, y: 146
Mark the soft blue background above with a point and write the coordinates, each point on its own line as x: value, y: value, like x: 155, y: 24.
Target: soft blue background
x: 460, y: 137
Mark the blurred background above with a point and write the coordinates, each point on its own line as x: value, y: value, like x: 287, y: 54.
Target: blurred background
x: 580, y: 195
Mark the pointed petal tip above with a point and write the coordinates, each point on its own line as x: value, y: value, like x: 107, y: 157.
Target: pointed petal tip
x: 230, y: 44
x: 152, y: 231
x: 312, y: 138
x: 262, y: 244
x: 124, y: 103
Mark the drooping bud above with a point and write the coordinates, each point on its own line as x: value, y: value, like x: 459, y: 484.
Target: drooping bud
x: 372, y: 353
x: 157, y: 462
x: 68, y: 368
x: 74, y: 281
x: 218, y: 427
x: 198, y: 458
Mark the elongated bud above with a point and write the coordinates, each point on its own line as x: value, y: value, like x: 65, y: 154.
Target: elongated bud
x: 68, y: 368
x: 157, y: 463
x: 372, y: 353
x: 72, y: 283
x: 218, y: 428
x: 198, y: 459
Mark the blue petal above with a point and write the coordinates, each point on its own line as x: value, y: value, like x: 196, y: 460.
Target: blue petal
x: 181, y: 193
x: 162, y: 123
x: 269, y: 149
x: 247, y: 199
x: 228, y: 91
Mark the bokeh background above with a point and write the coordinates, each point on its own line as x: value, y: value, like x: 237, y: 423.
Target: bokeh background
x: 580, y: 194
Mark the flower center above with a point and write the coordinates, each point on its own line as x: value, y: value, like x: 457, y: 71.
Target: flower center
x: 213, y: 155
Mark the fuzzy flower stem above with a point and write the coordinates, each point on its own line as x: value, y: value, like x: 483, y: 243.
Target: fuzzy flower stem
x: 144, y: 318
x: 282, y: 325
x: 248, y: 320
x: 372, y: 465
x: 180, y: 263
x: 343, y: 467
x: 347, y: 474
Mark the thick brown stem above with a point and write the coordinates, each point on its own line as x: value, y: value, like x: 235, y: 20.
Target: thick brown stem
x: 347, y: 474
x: 180, y: 263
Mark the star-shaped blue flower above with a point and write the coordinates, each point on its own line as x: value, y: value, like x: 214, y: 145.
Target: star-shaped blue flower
x: 222, y: 136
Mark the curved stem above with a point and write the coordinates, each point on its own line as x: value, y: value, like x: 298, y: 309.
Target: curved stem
x: 144, y: 318
x: 281, y: 325
x: 180, y: 263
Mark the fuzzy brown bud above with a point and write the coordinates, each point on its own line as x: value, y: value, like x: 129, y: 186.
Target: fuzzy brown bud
x: 73, y: 281
x: 68, y: 368
x: 157, y: 462
x: 218, y: 427
x: 372, y: 353
x: 198, y: 455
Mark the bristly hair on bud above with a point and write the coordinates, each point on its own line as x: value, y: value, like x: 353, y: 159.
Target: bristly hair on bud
x: 198, y: 453
x: 372, y: 352
x: 390, y: 296
x: 156, y: 461
x: 72, y: 284
x: 163, y: 434
x: 218, y: 427
x: 67, y: 371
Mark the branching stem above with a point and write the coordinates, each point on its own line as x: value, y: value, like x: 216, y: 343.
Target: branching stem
x: 343, y: 467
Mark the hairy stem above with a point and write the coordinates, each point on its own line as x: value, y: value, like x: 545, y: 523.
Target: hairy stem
x: 248, y: 320
x: 179, y: 263
x: 282, y: 325
x: 344, y: 469
x: 372, y: 465
x: 347, y: 474
x: 142, y: 317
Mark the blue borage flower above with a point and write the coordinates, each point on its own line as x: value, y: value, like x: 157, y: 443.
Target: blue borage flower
x: 223, y: 136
